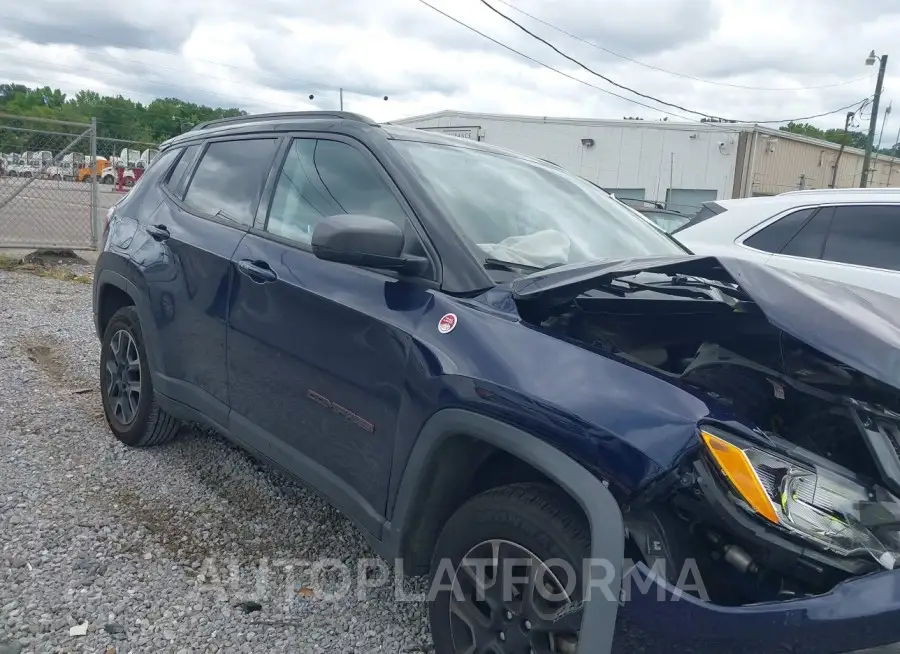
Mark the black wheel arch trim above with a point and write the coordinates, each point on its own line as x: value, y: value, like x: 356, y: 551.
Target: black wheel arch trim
x: 597, y: 502
x: 107, y: 277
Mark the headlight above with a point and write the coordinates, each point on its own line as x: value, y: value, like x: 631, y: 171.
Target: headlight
x: 816, y: 504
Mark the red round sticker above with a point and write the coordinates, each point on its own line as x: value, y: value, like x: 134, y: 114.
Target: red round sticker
x: 447, y: 323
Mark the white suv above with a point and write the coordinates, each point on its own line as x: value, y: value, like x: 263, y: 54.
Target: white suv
x: 846, y: 235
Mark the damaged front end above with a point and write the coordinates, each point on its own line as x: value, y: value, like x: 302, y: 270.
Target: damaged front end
x: 797, y: 491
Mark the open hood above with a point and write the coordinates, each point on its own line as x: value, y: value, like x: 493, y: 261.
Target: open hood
x: 853, y: 325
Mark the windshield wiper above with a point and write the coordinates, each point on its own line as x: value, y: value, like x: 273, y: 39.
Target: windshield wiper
x: 514, y: 266
x: 683, y: 286
x: 689, y: 281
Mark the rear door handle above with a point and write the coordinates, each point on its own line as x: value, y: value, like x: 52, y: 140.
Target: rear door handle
x: 258, y: 271
x: 158, y: 232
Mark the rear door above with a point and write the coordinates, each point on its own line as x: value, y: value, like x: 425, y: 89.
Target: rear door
x: 211, y: 197
x: 317, y: 351
x: 854, y: 244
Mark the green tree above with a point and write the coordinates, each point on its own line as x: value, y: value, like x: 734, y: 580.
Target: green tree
x: 117, y: 117
x: 852, y: 139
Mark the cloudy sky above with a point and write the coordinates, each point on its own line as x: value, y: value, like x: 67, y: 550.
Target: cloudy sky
x: 757, y: 61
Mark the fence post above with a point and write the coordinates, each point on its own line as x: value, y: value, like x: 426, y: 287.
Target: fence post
x: 95, y: 214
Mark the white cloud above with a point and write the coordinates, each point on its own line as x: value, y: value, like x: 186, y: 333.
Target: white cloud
x: 272, y: 54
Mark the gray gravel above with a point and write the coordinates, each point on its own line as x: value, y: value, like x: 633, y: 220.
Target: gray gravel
x: 158, y: 550
x: 182, y: 548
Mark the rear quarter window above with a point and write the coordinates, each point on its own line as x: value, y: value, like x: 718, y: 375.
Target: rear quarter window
x: 157, y: 169
x: 772, y: 238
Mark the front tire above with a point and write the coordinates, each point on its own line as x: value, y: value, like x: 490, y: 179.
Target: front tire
x: 129, y: 401
x: 516, y: 554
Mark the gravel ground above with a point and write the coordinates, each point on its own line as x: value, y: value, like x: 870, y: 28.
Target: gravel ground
x: 189, y: 547
x: 165, y: 549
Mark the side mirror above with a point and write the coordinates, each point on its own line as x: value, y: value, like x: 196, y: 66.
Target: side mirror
x: 364, y: 241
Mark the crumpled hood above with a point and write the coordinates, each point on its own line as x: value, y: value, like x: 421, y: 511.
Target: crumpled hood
x: 856, y: 326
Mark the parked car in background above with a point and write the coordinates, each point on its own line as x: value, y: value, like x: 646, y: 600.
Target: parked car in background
x: 666, y: 219
x: 844, y: 235
x: 508, y: 378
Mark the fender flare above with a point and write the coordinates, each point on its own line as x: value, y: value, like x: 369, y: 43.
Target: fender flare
x: 107, y: 277
x: 603, y: 512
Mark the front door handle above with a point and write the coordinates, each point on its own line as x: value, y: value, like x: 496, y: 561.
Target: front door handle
x: 158, y: 232
x: 258, y: 271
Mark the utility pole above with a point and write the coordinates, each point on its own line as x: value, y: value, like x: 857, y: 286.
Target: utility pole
x: 893, y: 158
x: 837, y: 160
x: 870, y: 140
x: 342, y: 99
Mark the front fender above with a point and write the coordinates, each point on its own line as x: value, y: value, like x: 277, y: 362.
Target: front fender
x: 607, y: 532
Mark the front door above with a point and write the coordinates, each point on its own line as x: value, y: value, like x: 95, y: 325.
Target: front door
x: 317, y: 350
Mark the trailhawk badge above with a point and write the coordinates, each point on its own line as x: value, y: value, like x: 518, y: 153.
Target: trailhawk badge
x: 447, y: 323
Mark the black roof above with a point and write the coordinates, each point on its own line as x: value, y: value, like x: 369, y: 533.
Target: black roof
x: 281, y: 118
x: 286, y: 120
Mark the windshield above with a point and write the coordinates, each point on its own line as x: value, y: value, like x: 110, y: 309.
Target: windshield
x: 518, y: 210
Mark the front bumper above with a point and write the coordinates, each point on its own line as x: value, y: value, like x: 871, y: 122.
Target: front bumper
x: 857, y: 614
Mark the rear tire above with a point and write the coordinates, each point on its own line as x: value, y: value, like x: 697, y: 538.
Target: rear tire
x: 129, y: 401
x: 528, y: 521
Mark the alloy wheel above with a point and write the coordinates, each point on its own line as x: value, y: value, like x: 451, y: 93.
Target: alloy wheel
x: 123, y: 377
x: 506, y: 600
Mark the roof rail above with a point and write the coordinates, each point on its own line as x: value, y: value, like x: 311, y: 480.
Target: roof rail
x: 341, y: 115
x: 861, y: 191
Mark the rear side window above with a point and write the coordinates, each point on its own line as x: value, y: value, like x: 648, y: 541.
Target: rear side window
x: 865, y: 236
x: 229, y: 179
x: 775, y: 236
x: 810, y: 240
x: 177, y: 177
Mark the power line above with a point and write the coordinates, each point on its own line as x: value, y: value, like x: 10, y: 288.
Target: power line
x: 672, y: 72
x: 822, y: 115
x: 83, y: 69
x: 621, y: 97
x: 591, y: 70
x: 548, y: 66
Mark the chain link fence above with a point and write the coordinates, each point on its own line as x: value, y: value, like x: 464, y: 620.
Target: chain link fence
x: 57, y: 179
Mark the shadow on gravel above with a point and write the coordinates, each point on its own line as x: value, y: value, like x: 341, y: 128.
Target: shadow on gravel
x: 262, y: 513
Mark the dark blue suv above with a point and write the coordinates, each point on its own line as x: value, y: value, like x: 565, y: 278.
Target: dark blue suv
x: 503, y: 375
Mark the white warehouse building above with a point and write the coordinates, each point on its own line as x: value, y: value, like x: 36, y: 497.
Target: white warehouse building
x: 679, y: 163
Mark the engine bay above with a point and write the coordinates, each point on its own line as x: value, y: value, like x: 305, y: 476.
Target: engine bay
x: 769, y: 379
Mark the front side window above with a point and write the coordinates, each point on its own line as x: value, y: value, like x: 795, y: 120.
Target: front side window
x: 230, y: 178
x: 865, y: 236
x: 322, y: 178
x: 525, y: 212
